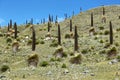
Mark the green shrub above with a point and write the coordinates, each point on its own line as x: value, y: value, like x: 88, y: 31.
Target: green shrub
x: 67, y: 36
x: 4, y: 68
x: 101, y: 41
x: 64, y: 65
x: 42, y: 42
x: 29, y: 42
x: 77, y: 59
x: 106, y: 32
x: 118, y: 57
x: 44, y: 64
x: 84, y: 51
x: 54, y: 43
x: 1, y: 34
x: 9, y: 40
x: 101, y: 28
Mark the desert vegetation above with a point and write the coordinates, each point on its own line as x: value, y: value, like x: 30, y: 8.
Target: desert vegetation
x: 82, y: 47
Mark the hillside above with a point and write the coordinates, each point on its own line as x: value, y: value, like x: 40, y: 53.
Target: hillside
x: 96, y: 64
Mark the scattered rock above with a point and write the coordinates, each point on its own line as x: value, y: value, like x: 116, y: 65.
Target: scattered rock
x: 113, y: 61
x: 2, y: 76
x: 49, y: 73
x: 86, y: 72
x: 66, y: 71
x: 92, y: 74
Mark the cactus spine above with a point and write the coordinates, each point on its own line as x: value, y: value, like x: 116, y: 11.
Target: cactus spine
x: 70, y: 25
x: 33, y: 39
x: 15, y: 27
x: 59, y: 35
x: 111, y: 33
x: 91, y: 19
x: 75, y: 39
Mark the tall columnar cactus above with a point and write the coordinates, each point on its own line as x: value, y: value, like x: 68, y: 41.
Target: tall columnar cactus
x: 56, y: 20
x: 10, y: 23
x: 50, y: 18
x: 59, y: 35
x: 48, y: 26
x: 65, y: 16
x: 70, y: 25
x: 26, y: 22
x: 75, y: 39
x: 44, y: 21
x: 33, y: 39
x: 15, y: 27
x: 103, y: 10
x: 80, y: 9
x: 111, y: 33
x: 92, y: 19
x: 31, y: 22
x: 8, y: 27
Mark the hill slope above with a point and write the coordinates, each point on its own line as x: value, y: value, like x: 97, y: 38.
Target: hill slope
x: 95, y: 63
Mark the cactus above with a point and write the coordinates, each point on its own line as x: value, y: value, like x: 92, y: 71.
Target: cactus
x: 50, y: 18
x: 10, y: 23
x: 91, y: 19
x: 31, y: 22
x: 75, y: 40
x: 111, y: 33
x: 59, y: 35
x: 103, y: 10
x: 65, y: 16
x: 56, y: 20
x: 49, y: 26
x: 70, y: 25
x: 26, y: 22
x: 80, y: 9
x: 33, y: 39
x: 44, y: 21
x: 8, y: 27
x: 15, y: 27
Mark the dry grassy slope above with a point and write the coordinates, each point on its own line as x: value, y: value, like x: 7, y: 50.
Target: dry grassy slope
x: 93, y: 62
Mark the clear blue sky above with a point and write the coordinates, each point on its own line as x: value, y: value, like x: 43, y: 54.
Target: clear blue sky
x: 20, y: 10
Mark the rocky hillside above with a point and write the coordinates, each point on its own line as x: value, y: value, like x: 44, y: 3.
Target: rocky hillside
x: 96, y: 58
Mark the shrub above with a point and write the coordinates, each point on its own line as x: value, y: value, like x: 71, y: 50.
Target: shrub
x: 101, y: 41
x: 112, y: 52
x: 64, y: 65
x: 9, y: 40
x: 67, y: 36
x: 118, y: 57
x: 84, y: 51
x: 54, y: 43
x: 101, y: 28
x: 1, y: 34
x: 44, y: 64
x: 29, y: 42
x: 59, y: 52
x: 4, y: 68
x: 42, y: 42
x: 106, y: 32
x: 77, y: 59
x: 33, y: 59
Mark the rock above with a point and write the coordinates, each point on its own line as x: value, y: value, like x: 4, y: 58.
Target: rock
x: 86, y: 71
x: 2, y: 76
x: 49, y: 73
x: 92, y: 74
x: 66, y: 71
x: 113, y: 61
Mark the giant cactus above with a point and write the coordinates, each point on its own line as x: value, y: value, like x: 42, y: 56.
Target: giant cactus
x: 70, y: 25
x: 59, y: 35
x: 111, y: 33
x: 75, y: 39
x: 10, y: 23
x: 33, y: 39
x: 91, y: 19
x: 15, y: 27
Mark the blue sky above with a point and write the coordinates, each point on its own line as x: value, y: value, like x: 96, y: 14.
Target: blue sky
x: 21, y: 10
